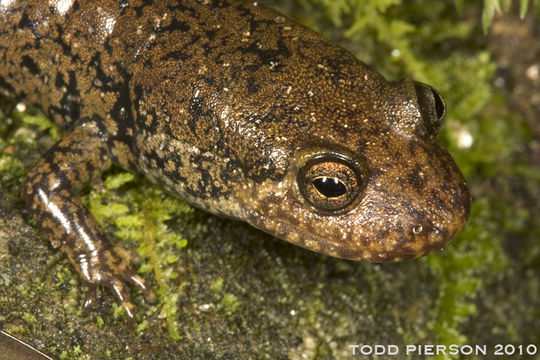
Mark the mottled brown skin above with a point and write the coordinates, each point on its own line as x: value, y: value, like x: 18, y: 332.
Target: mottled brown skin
x: 238, y: 110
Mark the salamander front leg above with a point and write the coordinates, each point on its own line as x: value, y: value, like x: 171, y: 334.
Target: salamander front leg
x: 49, y: 193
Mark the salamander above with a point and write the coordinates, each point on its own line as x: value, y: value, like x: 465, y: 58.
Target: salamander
x: 238, y: 110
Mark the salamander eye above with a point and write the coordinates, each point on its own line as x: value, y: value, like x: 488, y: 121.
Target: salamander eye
x: 329, y: 183
x: 432, y: 106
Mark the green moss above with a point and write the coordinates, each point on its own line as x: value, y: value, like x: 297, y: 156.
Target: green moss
x: 476, y: 259
x: 369, y: 14
x: 228, y: 305
x: 29, y: 318
x: 141, y: 212
x: 74, y: 354
x: 492, y: 7
x: 217, y: 285
x: 18, y: 131
x: 10, y: 167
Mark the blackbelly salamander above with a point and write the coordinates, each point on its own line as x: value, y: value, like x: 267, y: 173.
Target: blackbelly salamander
x: 240, y: 111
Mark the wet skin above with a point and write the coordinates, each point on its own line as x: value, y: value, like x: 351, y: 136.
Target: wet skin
x: 238, y: 110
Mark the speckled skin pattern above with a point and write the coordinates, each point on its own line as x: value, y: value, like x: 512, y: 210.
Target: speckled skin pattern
x: 240, y: 111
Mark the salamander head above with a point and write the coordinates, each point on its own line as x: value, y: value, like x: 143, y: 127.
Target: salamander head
x: 381, y: 189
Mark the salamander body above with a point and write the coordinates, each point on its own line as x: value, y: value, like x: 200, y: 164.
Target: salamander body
x: 238, y: 110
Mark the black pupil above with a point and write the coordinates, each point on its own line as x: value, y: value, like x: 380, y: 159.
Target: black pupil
x: 439, y: 104
x: 329, y: 187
